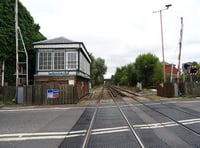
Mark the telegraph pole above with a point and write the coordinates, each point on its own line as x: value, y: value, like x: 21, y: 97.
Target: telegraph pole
x: 2, y: 75
x: 162, y: 42
x: 180, y: 46
x: 163, y: 51
x: 17, y: 46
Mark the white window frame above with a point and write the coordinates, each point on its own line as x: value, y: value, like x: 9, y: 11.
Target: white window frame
x: 69, y: 61
x: 45, y: 65
x: 84, y: 64
x: 59, y: 64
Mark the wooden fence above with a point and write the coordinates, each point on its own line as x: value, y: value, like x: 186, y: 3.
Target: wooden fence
x: 38, y: 94
x: 169, y: 90
x: 166, y: 90
x: 192, y: 89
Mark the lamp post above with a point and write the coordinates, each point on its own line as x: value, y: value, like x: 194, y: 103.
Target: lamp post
x: 161, y: 26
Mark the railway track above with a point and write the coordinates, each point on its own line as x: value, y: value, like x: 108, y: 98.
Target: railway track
x: 100, y: 123
x: 120, y: 91
x: 109, y: 94
x: 88, y: 134
x: 113, y: 94
x: 112, y: 121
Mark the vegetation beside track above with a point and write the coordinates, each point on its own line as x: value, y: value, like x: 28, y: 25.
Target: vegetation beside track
x: 144, y: 93
x: 147, y: 93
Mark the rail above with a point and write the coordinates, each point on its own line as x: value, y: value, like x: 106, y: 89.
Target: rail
x: 87, y: 137
x: 177, y: 122
x: 112, y: 94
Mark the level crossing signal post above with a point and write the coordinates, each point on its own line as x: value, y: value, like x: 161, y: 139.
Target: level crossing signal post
x: 190, y: 69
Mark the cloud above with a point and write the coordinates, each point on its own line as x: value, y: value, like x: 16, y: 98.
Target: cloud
x: 120, y: 30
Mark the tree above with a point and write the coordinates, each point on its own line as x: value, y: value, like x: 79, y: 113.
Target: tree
x: 98, y: 69
x: 30, y: 32
x: 148, y: 69
x: 157, y: 76
x: 131, y: 74
x: 125, y: 75
x: 120, y: 77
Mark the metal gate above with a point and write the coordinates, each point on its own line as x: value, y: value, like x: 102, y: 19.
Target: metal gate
x: 20, y: 95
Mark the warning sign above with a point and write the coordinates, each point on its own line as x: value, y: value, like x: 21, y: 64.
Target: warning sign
x: 53, y: 93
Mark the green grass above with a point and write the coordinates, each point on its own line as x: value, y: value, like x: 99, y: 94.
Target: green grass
x: 10, y: 102
x: 186, y: 96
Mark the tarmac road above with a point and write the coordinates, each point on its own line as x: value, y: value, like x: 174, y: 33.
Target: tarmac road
x: 26, y: 127
x: 49, y: 126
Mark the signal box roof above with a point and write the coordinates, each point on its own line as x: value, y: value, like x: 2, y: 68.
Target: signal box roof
x: 59, y: 40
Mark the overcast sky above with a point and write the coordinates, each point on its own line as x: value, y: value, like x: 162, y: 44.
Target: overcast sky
x: 120, y: 30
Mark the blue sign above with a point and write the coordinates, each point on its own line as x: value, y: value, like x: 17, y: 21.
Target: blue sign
x: 52, y: 93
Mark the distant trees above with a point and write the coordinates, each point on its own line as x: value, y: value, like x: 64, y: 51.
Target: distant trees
x: 126, y: 75
x: 98, y: 69
x: 30, y: 32
x: 147, y: 69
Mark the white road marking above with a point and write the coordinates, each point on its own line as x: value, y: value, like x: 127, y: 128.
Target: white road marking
x: 77, y: 132
x: 39, y: 109
x: 33, y: 134
x: 173, y: 102
x: 111, y: 131
x: 108, y: 129
x: 31, y: 138
x: 189, y: 101
x: 62, y: 135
